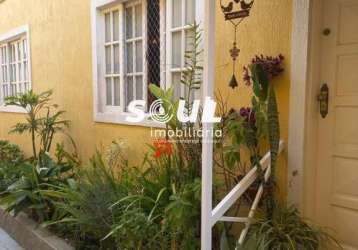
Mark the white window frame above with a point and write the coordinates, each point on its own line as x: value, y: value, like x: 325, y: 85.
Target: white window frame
x: 117, y: 115
x: 112, y: 108
x: 9, y: 37
x: 133, y: 41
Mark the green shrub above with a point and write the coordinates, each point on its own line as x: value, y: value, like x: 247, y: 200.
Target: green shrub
x: 35, y: 190
x: 155, y: 208
x: 168, y: 198
x: 11, y: 158
x: 287, y: 231
x: 32, y: 185
x: 10, y: 152
x: 86, y: 206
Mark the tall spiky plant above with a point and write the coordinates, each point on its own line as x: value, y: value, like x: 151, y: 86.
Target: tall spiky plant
x: 192, y: 75
x: 191, y: 79
x: 32, y: 103
x: 263, y: 70
x: 36, y: 124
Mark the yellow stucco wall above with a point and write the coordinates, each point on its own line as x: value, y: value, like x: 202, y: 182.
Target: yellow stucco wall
x: 267, y: 31
x: 60, y: 38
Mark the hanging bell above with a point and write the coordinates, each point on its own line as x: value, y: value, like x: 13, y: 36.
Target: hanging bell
x: 233, y: 82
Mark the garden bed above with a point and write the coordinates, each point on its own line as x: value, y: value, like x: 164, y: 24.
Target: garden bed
x: 29, y: 235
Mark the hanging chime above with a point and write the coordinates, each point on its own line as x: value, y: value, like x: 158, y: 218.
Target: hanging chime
x: 235, y: 11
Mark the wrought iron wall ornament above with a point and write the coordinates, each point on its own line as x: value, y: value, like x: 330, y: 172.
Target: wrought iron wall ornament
x: 235, y: 11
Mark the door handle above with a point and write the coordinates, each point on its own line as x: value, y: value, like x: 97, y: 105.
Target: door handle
x: 323, y: 99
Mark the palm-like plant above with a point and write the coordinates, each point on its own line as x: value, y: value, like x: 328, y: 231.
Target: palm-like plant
x: 37, y: 125
x: 49, y: 126
x: 192, y: 75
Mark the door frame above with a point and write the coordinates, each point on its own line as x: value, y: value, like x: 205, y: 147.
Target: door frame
x: 303, y: 120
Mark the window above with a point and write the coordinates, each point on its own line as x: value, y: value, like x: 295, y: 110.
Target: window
x: 179, y: 40
x: 137, y: 43
x: 134, y: 37
x: 14, y: 65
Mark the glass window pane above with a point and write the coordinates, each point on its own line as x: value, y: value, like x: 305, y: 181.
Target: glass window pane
x: 139, y: 88
x: 176, y: 50
x: 129, y: 58
x: 138, y: 20
x: 129, y: 90
x: 117, y: 93
x: 107, y: 21
x: 190, y: 12
x: 108, y: 60
x: 139, y: 56
x: 18, y: 48
x: 12, y: 53
x: 13, y: 73
x: 108, y: 91
x: 177, y: 85
x: 20, y: 72
x: 6, y: 51
x: 116, y: 25
x: 24, y: 44
x: 13, y: 89
x: 116, y: 58
x: 6, y: 74
x: 3, y: 74
x: 129, y: 23
x: 2, y: 55
x: 27, y: 86
x: 26, y: 71
x: 177, y: 13
x: 5, y: 91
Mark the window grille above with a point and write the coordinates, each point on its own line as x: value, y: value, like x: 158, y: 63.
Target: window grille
x: 153, y: 45
x: 140, y: 42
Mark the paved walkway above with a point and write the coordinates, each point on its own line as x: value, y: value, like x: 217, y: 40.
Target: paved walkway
x: 7, y: 243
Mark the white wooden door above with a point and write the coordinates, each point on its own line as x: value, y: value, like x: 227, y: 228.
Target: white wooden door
x: 337, y: 159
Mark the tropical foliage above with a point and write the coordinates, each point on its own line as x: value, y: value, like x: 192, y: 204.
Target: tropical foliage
x: 112, y: 204
x: 286, y: 230
x: 109, y: 204
x: 133, y: 209
x: 41, y: 121
x: 10, y: 157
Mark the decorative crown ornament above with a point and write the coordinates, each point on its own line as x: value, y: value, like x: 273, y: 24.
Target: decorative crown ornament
x: 235, y: 11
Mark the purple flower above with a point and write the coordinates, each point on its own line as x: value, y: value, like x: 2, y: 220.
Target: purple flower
x: 271, y: 65
x: 249, y: 115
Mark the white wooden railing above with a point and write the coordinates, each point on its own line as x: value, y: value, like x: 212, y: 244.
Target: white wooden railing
x: 217, y: 214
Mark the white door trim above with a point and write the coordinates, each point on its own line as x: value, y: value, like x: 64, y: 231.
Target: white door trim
x: 305, y: 50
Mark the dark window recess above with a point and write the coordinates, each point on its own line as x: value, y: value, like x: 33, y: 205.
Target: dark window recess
x: 153, y: 45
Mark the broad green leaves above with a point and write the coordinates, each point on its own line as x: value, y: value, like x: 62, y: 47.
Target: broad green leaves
x: 260, y: 81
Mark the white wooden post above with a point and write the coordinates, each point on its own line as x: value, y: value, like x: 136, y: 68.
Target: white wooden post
x: 208, y: 91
